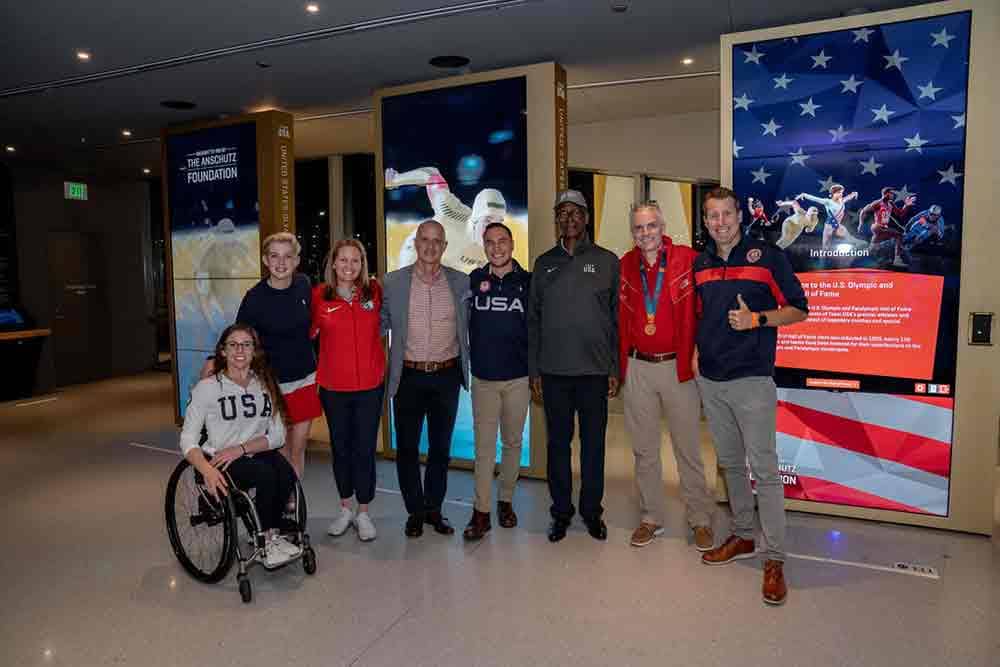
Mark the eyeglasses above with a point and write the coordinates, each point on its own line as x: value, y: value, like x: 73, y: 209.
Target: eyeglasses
x: 566, y: 214
x: 244, y: 345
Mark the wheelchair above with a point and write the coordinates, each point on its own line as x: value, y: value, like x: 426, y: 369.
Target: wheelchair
x: 207, y: 534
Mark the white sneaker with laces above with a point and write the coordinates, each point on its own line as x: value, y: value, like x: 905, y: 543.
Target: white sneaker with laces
x: 343, y: 521
x: 365, y: 526
x: 274, y: 555
x: 286, y: 547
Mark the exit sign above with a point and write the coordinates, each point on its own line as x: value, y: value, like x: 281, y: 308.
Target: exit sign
x: 73, y: 190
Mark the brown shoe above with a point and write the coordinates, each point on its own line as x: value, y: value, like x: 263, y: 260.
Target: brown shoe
x: 505, y: 514
x: 478, y: 526
x: 732, y: 549
x: 703, y: 538
x: 645, y: 533
x: 774, y: 590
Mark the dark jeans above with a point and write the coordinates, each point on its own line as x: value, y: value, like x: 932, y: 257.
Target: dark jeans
x: 274, y: 479
x: 434, y: 396
x: 565, y: 397
x: 353, y: 417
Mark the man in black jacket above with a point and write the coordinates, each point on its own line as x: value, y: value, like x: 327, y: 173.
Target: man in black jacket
x: 573, y: 359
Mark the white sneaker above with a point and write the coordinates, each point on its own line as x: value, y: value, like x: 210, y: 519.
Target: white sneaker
x: 274, y: 555
x: 365, y: 526
x: 286, y: 547
x: 343, y: 521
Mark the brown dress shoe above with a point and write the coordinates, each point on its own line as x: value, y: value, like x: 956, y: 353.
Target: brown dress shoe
x: 505, y: 514
x: 703, y: 538
x: 645, y: 533
x: 774, y: 590
x: 732, y: 549
x: 478, y: 526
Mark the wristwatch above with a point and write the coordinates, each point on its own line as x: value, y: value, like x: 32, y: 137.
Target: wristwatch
x: 761, y: 320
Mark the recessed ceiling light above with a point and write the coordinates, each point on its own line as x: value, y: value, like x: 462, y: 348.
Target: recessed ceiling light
x: 688, y: 61
x: 312, y: 8
x: 83, y: 56
x: 146, y: 170
x: 10, y: 149
x: 126, y: 133
x: 449, y: 62
x: 83, y: 140
x: 178, y: 105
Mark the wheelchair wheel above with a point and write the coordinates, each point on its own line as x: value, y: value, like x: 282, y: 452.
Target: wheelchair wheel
x: 309, y: 560
x: 202, y: 530
x: 246, y: 591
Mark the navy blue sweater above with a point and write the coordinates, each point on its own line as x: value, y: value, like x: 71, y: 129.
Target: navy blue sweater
x: 281, y: 318
x: 763, y: 276
x: 498, y: 324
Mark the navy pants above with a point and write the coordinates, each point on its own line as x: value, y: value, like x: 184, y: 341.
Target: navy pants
x: 353, y: 418
x: 433, y: 396
x: 566, y: 398
x: 274, y: 479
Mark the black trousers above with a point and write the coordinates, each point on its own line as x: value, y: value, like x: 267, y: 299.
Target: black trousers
x: 274, y: 479
x: 353, y: 417
x: 433, y: 396
x: 566, y: 397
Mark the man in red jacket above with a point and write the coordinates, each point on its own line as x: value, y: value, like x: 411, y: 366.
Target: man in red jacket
x: 656, y: 324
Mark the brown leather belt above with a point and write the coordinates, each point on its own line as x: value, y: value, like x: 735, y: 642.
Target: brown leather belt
x: 652, y: 358
x: 430, y: 366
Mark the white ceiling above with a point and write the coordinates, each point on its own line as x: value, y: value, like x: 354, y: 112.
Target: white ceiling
x: 592, y: 42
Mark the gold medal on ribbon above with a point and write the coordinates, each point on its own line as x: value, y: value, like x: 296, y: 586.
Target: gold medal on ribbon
x: 650, y: 325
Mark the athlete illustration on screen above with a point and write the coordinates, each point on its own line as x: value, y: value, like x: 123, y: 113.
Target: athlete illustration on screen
x: 758, y: 218
x: 922, y: 227
x: 463, y: 226
x: 888, y: 225
x: 798, y: 220
x: 836, y: 208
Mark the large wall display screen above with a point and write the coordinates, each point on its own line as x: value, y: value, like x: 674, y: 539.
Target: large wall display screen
x: 214, y: 237
x: 849, y: 147
x: 457, y: 155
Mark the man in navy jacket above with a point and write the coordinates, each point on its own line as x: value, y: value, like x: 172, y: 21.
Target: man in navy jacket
x: 747, y: 289
x: 498, y: 346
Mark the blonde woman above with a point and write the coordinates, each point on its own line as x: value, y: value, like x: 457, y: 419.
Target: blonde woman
x: 350, y: 375
x: 278, y: 308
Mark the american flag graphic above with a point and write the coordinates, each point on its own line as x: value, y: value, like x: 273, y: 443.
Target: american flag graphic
x: 881, y: 451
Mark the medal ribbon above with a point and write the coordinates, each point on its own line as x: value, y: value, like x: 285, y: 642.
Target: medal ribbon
x: 654, y: 298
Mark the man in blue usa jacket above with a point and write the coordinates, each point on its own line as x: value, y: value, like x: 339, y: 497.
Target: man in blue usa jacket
x: 498, y: 345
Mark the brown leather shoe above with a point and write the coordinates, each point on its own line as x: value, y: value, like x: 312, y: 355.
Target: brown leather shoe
x: 645, y: 534
x: 732, y: 549
x: 703, y: 538
x: 774, y: 590
x: 478, y: 526
x: 505, y: 514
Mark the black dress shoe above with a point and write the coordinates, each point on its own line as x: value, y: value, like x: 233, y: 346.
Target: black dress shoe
x: 478, y: 526
x: 414, y: 525
x: 597, y: 528
x: 440, y: 523
x: 506, y: 515
x: 557, y: 529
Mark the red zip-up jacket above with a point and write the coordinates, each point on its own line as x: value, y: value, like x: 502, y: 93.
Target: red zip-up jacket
x: 351, y: 353
x: 680, y: 309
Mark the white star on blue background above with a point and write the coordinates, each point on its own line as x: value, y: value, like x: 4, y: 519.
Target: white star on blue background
x: 870, y: 166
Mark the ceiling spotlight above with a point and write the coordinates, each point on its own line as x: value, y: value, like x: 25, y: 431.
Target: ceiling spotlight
x: 83, y: 140
x: 449, y: 62
x: 688, y: 61
x: 312, y: 8
x: 146, y: 171
x: 10, y: 149
x: 83, y: 56
x: 619, y: 6
x: 126, y: 133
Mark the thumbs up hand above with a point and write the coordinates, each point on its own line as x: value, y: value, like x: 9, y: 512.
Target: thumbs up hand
x: 742, y: 318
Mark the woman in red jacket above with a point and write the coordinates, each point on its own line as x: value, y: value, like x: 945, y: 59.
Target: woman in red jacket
x: 350, y: 372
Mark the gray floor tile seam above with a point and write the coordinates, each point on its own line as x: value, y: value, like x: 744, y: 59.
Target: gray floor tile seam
x: 368, y: 647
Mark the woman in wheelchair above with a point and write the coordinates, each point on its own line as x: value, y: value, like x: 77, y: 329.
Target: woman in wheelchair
x: 244, y: 414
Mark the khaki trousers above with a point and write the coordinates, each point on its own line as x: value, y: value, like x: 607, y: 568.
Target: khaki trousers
x: 652, y: 391
x: 503, y: 404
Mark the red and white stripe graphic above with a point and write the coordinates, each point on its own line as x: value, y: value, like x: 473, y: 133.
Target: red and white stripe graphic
x: 881, y: 451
